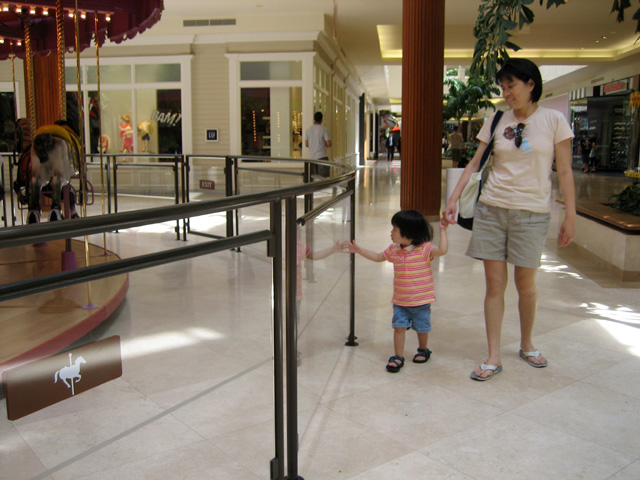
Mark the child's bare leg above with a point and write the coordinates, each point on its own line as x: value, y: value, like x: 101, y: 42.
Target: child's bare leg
x: 398, y: 340
x: 422, y: 340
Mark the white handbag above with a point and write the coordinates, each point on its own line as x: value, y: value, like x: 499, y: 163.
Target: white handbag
x: 471, y: 193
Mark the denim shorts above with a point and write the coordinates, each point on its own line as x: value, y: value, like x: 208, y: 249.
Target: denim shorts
x: 514, y: 236
x: 418, y: 318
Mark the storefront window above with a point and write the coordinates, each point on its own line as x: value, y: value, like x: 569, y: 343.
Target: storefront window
x: 141, y: 117
x: 609, y: 126
x: 117, y: 123
x: 109, y: 74
x: 168, y: 117
x: 158, y: 73
x: 275, y: 70
x: 271, y: 121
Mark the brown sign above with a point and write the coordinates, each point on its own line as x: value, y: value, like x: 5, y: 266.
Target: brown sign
x: 207, y: 184
x: 38, y: 384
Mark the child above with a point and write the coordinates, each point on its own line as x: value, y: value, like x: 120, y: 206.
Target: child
x: 411, y: 254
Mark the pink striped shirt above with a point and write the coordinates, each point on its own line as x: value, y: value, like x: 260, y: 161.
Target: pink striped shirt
x: 412, y: 275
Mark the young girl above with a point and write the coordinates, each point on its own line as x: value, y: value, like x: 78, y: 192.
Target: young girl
x: 411, y: 254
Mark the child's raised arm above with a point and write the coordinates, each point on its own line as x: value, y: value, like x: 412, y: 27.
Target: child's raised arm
x: 443, y: 246
x: 368, y: 254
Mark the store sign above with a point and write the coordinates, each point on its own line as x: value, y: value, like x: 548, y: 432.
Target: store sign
x: 212, y: 135
x: 38, y: 384
x: 614, y: 87
x: 168, y: 119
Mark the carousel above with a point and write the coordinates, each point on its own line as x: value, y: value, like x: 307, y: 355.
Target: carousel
x: 47, y: 178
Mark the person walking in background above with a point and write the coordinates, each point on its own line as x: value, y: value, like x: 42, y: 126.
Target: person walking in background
x: 413, y: 292
x: 391, y: 147
x: 513, y: 213
x: 457, y: 146
x: 317, y: 140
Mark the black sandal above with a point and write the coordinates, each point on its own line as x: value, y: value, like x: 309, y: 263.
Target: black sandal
x: 398, y: 363
x: 422, y: 356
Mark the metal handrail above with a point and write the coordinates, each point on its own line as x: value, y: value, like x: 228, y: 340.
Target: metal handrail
x: 275, y: 238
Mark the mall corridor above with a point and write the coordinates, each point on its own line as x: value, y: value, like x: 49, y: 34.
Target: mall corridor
x: 195, y: 399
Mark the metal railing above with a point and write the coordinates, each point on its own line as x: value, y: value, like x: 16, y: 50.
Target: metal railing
x: 276, y: 237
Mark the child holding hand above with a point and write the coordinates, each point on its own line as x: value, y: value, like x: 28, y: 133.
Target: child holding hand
x: 413, y: 292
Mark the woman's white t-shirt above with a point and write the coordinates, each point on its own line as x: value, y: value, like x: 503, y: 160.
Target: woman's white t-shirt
x: 521, y: 177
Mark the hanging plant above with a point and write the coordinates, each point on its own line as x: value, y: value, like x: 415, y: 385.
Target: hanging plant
x: 496, y: 18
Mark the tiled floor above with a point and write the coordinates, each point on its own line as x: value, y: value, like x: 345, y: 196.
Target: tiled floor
x: 195, y: 400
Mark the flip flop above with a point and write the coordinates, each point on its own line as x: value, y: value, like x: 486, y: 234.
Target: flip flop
x: 496, y: 369
x: 534, y: 354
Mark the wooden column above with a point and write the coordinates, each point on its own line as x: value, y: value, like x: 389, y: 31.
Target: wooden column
x: 422, y: 75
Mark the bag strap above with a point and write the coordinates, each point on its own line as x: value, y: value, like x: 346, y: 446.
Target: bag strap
x: 487, y: 151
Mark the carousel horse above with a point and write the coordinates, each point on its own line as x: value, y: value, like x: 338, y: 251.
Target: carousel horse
x: 53, y: 158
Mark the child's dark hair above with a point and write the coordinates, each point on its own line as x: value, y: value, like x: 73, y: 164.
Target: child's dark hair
x: 412, y: 225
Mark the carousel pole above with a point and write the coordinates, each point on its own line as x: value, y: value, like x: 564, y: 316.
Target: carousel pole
x: 62, y: 89
x: 28, y: 58
x: 68, y: 256
x: 104, y: 234
x: 83, y: 166
x: 16, y: 155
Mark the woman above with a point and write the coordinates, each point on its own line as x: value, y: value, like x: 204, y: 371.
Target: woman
x: 512, y: 217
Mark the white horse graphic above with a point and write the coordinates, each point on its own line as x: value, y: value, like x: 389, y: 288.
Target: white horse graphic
x: 70, y: 373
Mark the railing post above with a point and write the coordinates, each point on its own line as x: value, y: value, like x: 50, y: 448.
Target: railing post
x: 108, y: 175
x: 176, y: 192
x: 291, y: 338
x: 13, y: 161
x: 228, y: 191
x: 351, y: 340
x: 236, y: 186
x: 185, y: 193
x: 308, y: 206
x: 115, y: 185
x: 275, y: 252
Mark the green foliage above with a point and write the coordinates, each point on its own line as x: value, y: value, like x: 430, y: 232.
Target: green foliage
x: 628, y: 200
x: 470, y: 149
x: 496, y: 18
x: 467, y: 98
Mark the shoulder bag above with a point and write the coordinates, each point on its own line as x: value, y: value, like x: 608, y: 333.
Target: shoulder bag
x: 471, y: 193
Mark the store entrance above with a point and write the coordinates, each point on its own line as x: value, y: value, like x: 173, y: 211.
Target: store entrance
x: 609, y: 125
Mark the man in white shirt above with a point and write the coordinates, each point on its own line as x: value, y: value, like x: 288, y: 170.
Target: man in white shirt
x: 317, y: 140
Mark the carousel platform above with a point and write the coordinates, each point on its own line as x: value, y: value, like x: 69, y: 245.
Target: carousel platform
x: 40, y: 325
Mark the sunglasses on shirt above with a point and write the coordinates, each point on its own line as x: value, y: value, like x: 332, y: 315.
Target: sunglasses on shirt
x: 510, y: 133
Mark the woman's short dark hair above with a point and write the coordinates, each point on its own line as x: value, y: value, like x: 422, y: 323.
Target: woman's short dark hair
x: 412, y: 225
x: 524, y: 70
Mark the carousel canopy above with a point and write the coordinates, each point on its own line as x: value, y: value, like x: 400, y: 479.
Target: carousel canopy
x: 117, y: 21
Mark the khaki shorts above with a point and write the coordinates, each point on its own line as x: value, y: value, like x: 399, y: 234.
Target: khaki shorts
x: 514, y: 236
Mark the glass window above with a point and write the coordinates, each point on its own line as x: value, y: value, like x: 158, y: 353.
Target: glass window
x: 168, y: 117
x: 109, y: 74
x: 70, y: 75
x: 271, y: 121
x: 117, y: 121
x: 169, y: 72
x: 271, y: 70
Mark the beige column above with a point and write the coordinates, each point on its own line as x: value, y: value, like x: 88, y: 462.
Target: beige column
x: 422, y: 75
